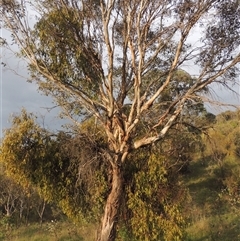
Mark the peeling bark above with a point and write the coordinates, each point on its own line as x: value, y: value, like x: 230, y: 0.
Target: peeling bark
x: 110, y: 217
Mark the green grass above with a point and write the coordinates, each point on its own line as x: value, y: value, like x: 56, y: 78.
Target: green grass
x: 51, y: 231
x: 211, y: 218
x: 224, y: 228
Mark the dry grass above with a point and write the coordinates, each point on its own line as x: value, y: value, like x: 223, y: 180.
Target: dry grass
x: 51, y: 231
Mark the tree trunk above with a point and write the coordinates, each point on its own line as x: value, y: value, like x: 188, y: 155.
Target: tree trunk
x: 110, y: 217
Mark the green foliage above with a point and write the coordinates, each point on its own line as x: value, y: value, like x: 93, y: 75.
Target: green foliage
x: 19, y: 150
x: 124, y: 233
x: 62, y: 47
x: 155, y: 202
x: 55, y: 165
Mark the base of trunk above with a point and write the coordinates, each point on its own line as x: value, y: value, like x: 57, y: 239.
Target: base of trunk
x: 110, y: 218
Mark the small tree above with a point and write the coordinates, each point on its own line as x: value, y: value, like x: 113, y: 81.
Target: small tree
x: 116, y: 59
x: 54, y: 165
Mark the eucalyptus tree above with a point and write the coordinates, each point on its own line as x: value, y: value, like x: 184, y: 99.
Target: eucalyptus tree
x: 96, y: 58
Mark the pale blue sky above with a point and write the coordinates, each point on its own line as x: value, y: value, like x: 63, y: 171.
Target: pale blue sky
x: 17, y: 93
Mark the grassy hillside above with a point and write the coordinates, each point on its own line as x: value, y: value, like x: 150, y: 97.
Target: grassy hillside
x: 210, y: 216
x: 214, y: 184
